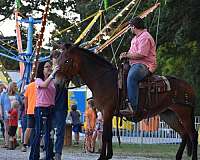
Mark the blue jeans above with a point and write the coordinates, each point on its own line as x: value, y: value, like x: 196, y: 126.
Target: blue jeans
x: 136, y: 73
x: 40, y: 127
x: 24, y: 126
x: 2, y: 128
x: 59, y: 122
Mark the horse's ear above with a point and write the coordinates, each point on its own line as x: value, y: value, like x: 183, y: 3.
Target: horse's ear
x: 55, y: 45
x: 67, y: 46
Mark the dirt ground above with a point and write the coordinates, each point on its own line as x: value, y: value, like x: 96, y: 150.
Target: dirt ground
x: 18, y: 155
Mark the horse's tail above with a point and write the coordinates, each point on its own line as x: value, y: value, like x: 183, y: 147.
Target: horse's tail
x: 189, y: 143
x: 118, y: 136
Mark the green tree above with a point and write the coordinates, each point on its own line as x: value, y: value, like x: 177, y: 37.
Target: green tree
x: 178, y: 37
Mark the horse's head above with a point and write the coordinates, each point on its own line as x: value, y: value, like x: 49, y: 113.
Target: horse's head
x: 68, y: 61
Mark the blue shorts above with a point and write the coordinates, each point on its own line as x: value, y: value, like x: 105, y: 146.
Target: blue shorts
x: 30, y: 121
x: 76, y: 128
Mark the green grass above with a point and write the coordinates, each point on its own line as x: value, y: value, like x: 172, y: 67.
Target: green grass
x: 162, y: 151
x: 145, y: 150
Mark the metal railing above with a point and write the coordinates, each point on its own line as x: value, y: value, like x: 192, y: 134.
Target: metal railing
x: 152, y: 133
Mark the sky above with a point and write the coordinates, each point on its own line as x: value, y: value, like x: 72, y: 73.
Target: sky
x: 7, y: 27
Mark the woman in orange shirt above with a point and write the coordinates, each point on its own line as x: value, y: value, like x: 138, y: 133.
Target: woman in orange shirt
x: 90, y: 117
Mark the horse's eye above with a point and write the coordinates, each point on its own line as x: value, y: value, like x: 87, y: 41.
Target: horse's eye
x: 67, y: 61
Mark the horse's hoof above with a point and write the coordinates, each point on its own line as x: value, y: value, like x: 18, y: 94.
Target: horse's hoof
x: 109, y: 156
x: 179, y: 157
x: 102, y: 158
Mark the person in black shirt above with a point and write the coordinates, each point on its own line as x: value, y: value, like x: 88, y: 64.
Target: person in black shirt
x: 60, y: 109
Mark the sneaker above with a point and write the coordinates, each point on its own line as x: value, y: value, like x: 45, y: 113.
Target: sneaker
x: 23, y: 149
x: 57, y: 156
x: 4, y: 146
x: 76, y: 143
x: 91, y: 151
x: 99, y: 150
x: 11, y: 145
x: 42, y: 155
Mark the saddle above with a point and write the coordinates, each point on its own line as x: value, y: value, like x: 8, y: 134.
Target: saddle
x: 155, y: 84
x: 149, y: 88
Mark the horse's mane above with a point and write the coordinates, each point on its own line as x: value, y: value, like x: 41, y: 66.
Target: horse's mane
x: 91, y: 55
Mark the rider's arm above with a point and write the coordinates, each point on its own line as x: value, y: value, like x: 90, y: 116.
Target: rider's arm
x: 142, y: 51
x: 134, y: 55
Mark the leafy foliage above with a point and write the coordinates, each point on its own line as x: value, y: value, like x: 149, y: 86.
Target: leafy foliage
x: 178, y: 45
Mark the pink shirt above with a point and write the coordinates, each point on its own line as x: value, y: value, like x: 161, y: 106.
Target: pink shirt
x: 45, y: 96
x: 145, y: 45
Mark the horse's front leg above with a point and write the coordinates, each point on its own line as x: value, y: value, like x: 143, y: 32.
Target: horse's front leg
x: 107, y: 151
x: 104, y: 144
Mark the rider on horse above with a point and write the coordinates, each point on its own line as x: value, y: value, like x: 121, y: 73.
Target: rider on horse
x: 142, y: 58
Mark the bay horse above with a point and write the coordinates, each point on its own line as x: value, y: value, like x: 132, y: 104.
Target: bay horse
x: 175, y: 107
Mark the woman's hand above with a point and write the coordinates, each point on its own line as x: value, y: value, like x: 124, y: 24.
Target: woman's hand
x: 56, y: 68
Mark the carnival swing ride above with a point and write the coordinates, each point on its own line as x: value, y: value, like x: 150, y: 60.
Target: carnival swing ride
x: 108, y: 34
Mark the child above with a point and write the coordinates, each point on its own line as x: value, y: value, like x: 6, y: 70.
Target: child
x: 12, y: 123
x: 75, y: 116
x: 90, y: 119
x: 98, y: 131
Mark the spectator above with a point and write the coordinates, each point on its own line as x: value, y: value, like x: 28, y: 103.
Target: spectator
x: 60, y: 109
x: 45, y: 101
x: 76, y: 123
x: 2, y: 88
x: 5, y: 105
x: 29, y: 103
x: 22, y: 118
x: 13, y: 123
x: 90, y: 116
x: 98, y: 132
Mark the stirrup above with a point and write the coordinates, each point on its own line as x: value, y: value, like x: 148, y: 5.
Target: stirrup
x: 130, y: 107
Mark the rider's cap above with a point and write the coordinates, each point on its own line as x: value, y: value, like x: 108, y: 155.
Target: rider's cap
x: 137, y: 22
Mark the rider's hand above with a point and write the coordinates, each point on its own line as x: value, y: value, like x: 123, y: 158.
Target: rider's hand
x: 123, y: 55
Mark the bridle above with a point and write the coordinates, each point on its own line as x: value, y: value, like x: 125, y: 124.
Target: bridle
x: 68, y: 60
